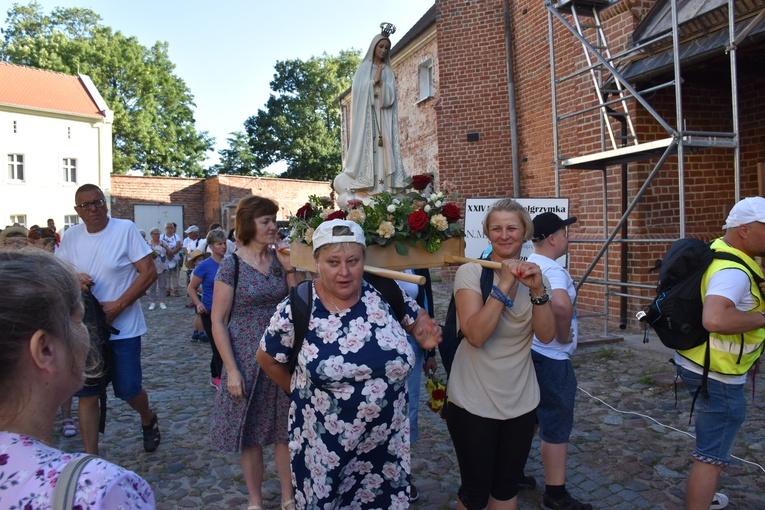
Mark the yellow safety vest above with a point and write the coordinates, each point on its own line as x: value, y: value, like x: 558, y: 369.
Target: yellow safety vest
x: 726, y: 353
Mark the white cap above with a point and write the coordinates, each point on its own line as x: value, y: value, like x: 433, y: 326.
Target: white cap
x: 746, y: 211
x: 323, y: 234
x: 191, y: 229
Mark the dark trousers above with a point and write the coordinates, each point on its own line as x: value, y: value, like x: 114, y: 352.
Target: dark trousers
x: 216, y: 363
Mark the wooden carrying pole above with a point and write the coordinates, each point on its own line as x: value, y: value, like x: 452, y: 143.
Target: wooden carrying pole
x: 388, y: 273
x: 453, y: 259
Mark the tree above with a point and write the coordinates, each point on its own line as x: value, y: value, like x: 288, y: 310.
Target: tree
x: 154, y: 129
x: 300, y: 123
x: 238, y: 158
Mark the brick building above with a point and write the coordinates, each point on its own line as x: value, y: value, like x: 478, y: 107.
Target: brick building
x: 493, y: 89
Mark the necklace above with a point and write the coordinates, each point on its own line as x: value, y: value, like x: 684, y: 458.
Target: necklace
x: 337, y: 308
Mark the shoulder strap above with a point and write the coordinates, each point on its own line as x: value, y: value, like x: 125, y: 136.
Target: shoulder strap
x: 66, y: 486
x: 390, y: 291
x: 236, y: 283
x: 301, y: 299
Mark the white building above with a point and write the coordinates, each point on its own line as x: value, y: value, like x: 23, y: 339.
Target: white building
x: 55, y: 135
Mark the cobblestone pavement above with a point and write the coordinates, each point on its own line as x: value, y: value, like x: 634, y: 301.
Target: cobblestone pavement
x: 618, y: 458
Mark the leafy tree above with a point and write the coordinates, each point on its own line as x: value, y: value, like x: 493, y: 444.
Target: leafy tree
x: 300, y: 123
x: 154, y: 128
x: 237, y: 158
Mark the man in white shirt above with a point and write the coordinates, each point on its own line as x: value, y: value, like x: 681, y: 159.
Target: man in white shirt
x: 555, y: 373
x: 115, y: 264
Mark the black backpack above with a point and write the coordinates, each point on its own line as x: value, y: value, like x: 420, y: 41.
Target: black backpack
x: 675, y: 313
x: 450, y: 335
x: 301, y: 297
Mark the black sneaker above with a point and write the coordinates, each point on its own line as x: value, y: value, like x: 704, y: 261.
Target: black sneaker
x: 564, y: 503
x: 414, y: 494
x: 527, y: 483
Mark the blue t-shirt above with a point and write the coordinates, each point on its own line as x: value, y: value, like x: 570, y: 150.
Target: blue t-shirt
x: 206, y: 270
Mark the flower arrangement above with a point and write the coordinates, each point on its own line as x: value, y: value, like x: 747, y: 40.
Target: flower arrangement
x: 402, y: 219
x: 437, y: 394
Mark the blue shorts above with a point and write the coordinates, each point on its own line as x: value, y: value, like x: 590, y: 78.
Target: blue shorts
x: 127, y: 377
x: 557, y: 393
x: 719, y: 412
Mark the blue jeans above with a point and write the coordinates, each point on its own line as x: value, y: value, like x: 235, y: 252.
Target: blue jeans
x: 413, y: 385
x: 557, y: 393
x: 127, y: 378
x: 720, y: 411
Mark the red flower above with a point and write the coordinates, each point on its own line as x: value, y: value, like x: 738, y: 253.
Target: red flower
x: 337, y: 215
x: 451, y: 212
x: 417, y: 221
x: 420, y: 182
x: 438, y: 394
x: 305, y: 212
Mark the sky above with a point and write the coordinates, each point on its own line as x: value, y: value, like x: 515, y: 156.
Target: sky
x: 225, y: 50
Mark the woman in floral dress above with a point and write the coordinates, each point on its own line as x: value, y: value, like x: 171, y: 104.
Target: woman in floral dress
x: 250, y: 410
x: 349, y: 429
x: 43, y: 347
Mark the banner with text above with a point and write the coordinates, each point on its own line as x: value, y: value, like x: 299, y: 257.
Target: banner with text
x: 475, y: 211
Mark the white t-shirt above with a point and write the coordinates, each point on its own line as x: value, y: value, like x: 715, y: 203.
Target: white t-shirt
x: 733, y: 284
x: 559, y: 279
x: 108, y: 257
x: 193, y: 244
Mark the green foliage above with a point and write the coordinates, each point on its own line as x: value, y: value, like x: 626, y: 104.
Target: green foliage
x: 300, y: 123
x: 237, y: 158
x: 154, y: 127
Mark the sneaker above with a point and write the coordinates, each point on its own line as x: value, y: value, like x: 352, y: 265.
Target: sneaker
x: 414, y: 494
x: 151, y: 436
x: 203, y: 337
x: 195, y: 336
x: 215, y: 382
x: 564, y: 503
x: 527, y: 483
x: 152, y: 306
x: 720, y: 501
x: 163, y: 306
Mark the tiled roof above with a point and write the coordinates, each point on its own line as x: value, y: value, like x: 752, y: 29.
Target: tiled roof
x: 45, y: 90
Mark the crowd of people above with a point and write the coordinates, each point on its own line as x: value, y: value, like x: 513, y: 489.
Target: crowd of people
x: 324, y: 369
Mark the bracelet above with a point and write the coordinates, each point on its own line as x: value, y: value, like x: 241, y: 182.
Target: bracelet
x: 290, y: 271
x: 497, y: 294
x: 539, y: 300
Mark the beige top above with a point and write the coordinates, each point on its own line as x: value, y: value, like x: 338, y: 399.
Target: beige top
x: 497, y: 380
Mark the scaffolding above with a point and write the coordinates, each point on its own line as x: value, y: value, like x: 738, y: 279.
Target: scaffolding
x: 615, y: 97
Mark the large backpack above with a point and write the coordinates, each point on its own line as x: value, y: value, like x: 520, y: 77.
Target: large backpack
x: 675, y: 314
x: 450, y: 335
x: 301, y: 297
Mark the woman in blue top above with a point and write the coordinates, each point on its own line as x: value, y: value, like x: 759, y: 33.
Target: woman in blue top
x: 204, y: 275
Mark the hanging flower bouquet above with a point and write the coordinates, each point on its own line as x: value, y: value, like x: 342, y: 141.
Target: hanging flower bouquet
x: 402, y: 220
x: 437, y: 394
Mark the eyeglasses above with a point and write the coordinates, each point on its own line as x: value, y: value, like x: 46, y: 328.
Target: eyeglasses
x: 85, y: 206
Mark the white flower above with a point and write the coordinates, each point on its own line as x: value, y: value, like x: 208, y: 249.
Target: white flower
x: 386, y: 230
x: 357, y: 215
x: 392, y: 208
x: 438, y: 203
x: 427, y: 208
x: 324, y: 213
x: 439, y: 221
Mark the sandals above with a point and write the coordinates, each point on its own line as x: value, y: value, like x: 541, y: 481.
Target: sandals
x: 289, y: 502
x: 176, y: 293
x: 68, y: 428
x: 151, y: 436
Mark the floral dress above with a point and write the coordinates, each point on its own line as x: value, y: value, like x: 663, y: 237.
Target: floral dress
x: 260, y: 418
x: 29, y: 470
x: 349, y: 427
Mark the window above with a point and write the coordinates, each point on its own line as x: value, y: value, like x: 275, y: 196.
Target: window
x: 16, y: 167
x: 70, y: 170
x: 69, y: 133
x: 425, y: 73
x: 70, y: 220
x: 14, y: 127
x: 21, y: 219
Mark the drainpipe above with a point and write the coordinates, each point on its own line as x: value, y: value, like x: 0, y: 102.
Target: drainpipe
x: 512, y: 102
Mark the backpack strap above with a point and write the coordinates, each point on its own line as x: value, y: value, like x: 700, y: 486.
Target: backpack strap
x: 391, y: 292
x: 66, y: 485
x: 301, y: 302
x: 236, y: 283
